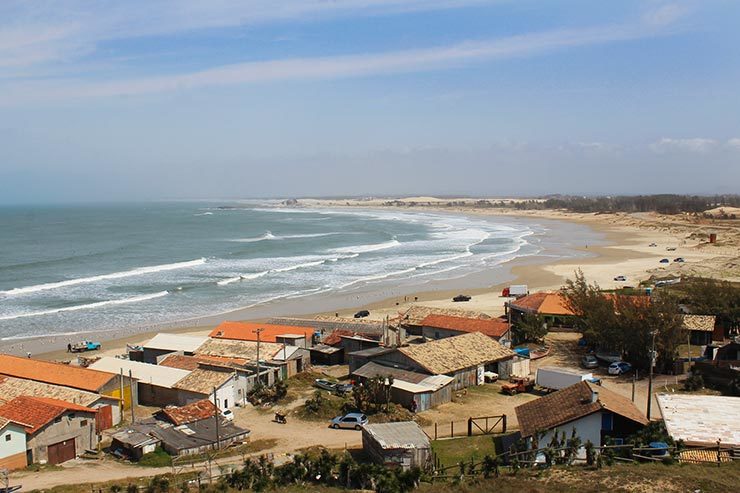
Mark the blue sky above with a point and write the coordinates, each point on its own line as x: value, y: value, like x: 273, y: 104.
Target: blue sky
x: 138, y: 100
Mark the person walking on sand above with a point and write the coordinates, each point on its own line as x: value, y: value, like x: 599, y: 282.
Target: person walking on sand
x: 29, y: 355
x: 69, y: 347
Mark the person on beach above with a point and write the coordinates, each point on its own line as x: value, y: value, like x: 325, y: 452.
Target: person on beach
x: 69, y: 348
x: 29, y: 355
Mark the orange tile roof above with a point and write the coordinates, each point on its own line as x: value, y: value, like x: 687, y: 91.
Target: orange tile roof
x: 244, y: 331
x: 54, y: 373
x: 336, y: 337
x: 36, y: 412
x: 570, y: 404
x: 493, y: 327
x: 195, y: 411
x: 543, y: 303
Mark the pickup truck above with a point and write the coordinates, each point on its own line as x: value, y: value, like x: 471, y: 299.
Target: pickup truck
x: 83, y: 346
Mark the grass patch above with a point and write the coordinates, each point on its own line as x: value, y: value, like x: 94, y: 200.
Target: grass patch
x: 42, y: 467
x: 322, y: 406
x: 158, y: 458
x: 456, y: 450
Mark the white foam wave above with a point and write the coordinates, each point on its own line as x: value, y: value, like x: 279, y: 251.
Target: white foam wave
x: 88, y: 306
x: 103, y: 277
x: 366, y: 248
x: 244, y: 277
x: 269, y: 236
x: 299, y: 266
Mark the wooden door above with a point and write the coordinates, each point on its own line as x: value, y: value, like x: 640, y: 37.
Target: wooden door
x: 61, y: 452
x: 104, y: 418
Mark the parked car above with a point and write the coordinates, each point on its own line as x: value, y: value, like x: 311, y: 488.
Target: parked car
x: 620, y: 278
x: 490, y: 376
x: 461, y: 297
x: 678, y: 259
x: 589, y: 361
x: 352, y: 421
x: 619, y: 368
x: 671, y: 249
x: 343, y: 388
x: 227, y: 415
x: 362, y: 314
x: 322, y: 383
x: 664, y: 261
x: 653, y: 244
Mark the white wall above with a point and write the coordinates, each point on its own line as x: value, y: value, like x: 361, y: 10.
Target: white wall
x: 226, y: 394
x: 17, y: 442
x: 587, y: 428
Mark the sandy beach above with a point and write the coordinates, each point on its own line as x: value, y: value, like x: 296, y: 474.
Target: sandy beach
x: 623, y: 250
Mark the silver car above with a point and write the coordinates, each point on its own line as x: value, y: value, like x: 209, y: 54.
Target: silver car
x: 352, y: 421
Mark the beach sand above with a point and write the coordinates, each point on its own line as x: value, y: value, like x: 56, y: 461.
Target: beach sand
x: 625, y: 250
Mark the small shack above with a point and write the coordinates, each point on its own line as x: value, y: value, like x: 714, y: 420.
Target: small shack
x: 325, y: 355
x: 358, y: 359
x: 700, y: 328
x: 402, y: 444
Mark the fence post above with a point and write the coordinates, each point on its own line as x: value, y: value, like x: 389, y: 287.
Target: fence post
x: 435, y: 431
x: 504, y: 423
x: 452, y: 429
x: 470, y: 427
x: 719, y: 456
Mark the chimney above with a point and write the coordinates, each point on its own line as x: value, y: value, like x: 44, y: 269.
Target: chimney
x: 594, y: 396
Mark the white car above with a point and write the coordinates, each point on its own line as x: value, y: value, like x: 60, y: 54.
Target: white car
x: 227, y: 414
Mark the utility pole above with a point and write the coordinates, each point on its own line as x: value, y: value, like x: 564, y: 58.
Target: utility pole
x: 131, y: 389
x: 258, y: 332
x: 650, y: 381
x: 216, y: 416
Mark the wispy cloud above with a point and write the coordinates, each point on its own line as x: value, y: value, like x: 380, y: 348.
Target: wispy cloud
x: 697, y: 145
x: 333, y: 67
x: 733, y: 143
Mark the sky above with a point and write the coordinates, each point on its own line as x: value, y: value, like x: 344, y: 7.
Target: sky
x: 149, y: 100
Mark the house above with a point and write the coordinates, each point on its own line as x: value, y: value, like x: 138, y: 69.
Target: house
x: 202, y: 383
x: 164, y: 343
x: 56, y: 431
x: 109, y: 408
x: 292, y: 360
x: 247, y: 331
x: 322, y: 354
x: 437, y: 326
x: 700, y: 328
x: 702, y: 420
x: 12, y: 445
x: 245, y: 373
x: 359, y: 359
x: 552, y: 306
x: 322, y: 327
x: 154, y: 384
x: 412, y: 318
x: 133, y: 443
x: 412, y: 390
x: 115, y: 390
x: 192, y: 438
x: 401, y: 444
x: 269, y: 371
x: 593, y: 411
x: 195, y: 411
x: 465, y: 358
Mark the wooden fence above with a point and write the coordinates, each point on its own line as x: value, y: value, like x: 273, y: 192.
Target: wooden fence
x: 478, y: 425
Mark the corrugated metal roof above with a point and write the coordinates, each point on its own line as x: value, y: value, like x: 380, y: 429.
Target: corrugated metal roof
x: 372, y: 370
x: 161, y: 376
x: 701, y: 419
x: 401, y: 435
x: 373, y: 351
x: 175, y: 342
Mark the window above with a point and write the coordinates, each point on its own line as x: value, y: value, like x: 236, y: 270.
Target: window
x: 8, y: 437
x: 606, y: 421
x: 58, y: 419
x: 83, y: 423
x: 436, y: 335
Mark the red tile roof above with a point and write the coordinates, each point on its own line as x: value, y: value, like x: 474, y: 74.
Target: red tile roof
x: 493, y: 327
x: 195, y: 411
x: 54, y: 373
x: 36, y: 412
x: 336, y: 337
x: 570, y: 404
x: 244, y: 331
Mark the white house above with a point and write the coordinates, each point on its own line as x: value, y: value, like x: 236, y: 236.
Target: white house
x: 593, y: 411
x: 12, y: 445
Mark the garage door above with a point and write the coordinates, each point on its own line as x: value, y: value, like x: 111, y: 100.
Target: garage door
x: 62, y: 451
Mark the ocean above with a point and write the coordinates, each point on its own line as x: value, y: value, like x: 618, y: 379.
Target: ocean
x: 76, y: 269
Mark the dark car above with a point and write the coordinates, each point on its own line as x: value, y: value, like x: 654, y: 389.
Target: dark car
x: 678, y: 259
x: 362, y: 314
x: 461, y: 297
x: 589, y: 361
x: 664, y: 261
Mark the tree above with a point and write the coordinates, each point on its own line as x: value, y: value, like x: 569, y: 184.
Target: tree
x: 530, y: 327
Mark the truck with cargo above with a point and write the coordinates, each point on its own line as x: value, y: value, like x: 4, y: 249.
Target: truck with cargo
x: 556, y: 378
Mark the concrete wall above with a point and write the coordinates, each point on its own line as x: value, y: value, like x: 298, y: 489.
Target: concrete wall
x: 12, y: 447
x: 75, y: 425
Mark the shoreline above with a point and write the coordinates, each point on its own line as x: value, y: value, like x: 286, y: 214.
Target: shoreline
x: 534, y: 270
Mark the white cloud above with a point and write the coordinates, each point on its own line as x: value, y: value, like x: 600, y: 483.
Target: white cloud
x: 359, y: 65
x: 734, y: 143
x: 698, y: 145
x: 665, y: 14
